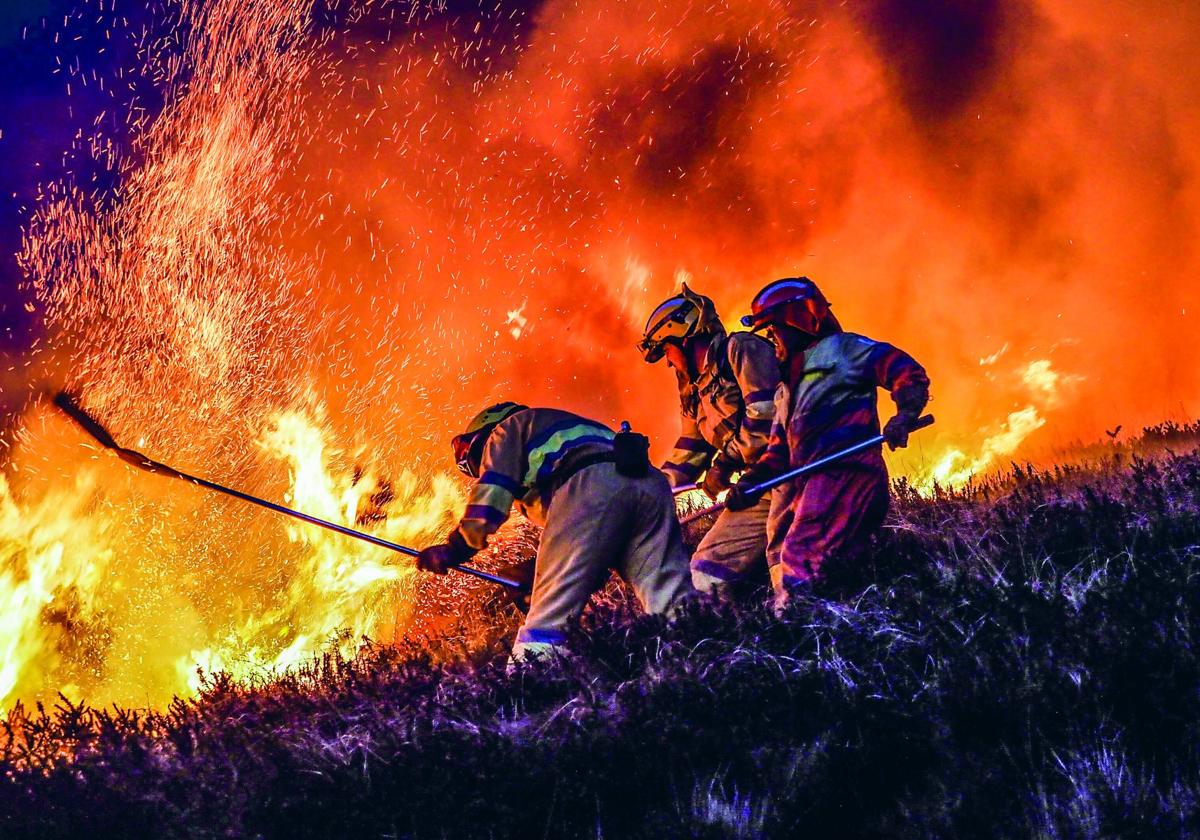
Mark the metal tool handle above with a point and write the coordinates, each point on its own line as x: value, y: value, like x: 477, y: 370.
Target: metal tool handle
x: 93, y: 427
x: 772, y: 483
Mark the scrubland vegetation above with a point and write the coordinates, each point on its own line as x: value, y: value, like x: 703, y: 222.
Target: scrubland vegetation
x: 1018, y: 659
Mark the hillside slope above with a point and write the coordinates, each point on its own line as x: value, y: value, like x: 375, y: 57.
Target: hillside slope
x: 1024, y: 664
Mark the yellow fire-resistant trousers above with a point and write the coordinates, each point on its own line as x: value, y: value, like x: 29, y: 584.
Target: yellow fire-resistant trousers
x: 733, y: 549
x: 601, y: 520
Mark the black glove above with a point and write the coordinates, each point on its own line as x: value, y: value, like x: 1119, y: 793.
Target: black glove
x: 911, y: 400
x: 897, y: 430
x: 440, y: 558
x: 715, y: 480
x: 740, y: 497
x: 522, y: 572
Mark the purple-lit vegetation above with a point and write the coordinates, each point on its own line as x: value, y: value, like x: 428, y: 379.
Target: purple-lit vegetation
x: 1024, y: 664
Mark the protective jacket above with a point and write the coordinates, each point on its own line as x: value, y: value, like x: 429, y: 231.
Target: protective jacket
x: 726, y: 414
x: 559, y: 469
x: 526, y: 455
x: 827, y: 403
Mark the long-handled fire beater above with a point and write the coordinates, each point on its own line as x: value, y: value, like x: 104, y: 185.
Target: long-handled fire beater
x: 771, y: 483
x: 93, y: 427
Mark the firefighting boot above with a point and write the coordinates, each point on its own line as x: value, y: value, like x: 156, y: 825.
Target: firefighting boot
x: 712, y: 587
x: 784, y: 589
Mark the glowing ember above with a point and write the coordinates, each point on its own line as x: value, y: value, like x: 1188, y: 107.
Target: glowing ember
x: 340, y: 237
x: 53, y: 557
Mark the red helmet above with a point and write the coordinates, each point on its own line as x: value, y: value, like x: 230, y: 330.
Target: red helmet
x: 792, y: 301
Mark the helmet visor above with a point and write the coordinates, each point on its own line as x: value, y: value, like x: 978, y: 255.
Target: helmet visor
x: 798, y: 312
x: 757, y: 321
x: 674, y: 321
x: 765, y: 317
x: 468, y: 451
x: 651, y: 350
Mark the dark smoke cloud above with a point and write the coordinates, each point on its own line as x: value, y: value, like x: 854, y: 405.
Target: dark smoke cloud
x: 955, y: 173
x: 941, y: 55
x: 666, y: 125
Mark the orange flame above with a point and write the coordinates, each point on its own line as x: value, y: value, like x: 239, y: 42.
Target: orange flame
x: 341, y: 591
x: 347, y: 241
x: 53, y: 557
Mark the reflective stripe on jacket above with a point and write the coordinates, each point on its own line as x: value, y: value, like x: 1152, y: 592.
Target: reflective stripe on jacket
x: 520, y: 458
x: 726, y: 414
x: 830, y: 402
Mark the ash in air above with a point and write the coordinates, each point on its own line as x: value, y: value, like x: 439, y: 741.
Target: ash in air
x: 295, y: 248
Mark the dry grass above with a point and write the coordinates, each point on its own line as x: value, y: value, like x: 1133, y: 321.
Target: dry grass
x: 1016, y: 660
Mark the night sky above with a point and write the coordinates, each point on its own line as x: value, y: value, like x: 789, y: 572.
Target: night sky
x: 34, y: 125
x: 46, y: 45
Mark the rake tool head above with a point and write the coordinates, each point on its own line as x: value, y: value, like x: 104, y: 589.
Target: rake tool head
x: 71, y: 407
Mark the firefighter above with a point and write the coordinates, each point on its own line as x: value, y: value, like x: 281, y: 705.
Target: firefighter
x: 726, y: 393
x: 827, y: 402
x: 599, y: 507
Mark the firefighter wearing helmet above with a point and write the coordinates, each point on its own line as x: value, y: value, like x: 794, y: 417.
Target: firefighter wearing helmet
x: 727, y: 388
x: 819, y: 525
x: 600, y: 509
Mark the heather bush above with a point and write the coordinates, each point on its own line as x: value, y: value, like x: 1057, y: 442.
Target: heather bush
x: 1013, y: 660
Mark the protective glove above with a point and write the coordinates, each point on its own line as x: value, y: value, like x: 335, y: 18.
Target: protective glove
x: 740, y: 497
x: 522, y: 572
x: 440, y: 558
x: 715, y: 480
x: 897, y: 430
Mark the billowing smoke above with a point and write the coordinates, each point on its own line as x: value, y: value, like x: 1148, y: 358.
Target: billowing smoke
x: 362, y: 204
x: 373, y: 218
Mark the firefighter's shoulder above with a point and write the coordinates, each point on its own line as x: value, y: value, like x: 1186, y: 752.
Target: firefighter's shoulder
x: 745, y: 343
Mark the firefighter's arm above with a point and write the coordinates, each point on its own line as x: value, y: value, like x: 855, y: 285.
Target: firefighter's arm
x: 777, y: 457
x: 908, y: 384
x: 757, y: 373
x: 491, y: 499
x: 691, y: 456
x: 774, y: 460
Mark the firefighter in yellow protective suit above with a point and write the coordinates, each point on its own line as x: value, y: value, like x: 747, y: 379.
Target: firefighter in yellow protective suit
x: 599, y: 509
x: 727, y: 386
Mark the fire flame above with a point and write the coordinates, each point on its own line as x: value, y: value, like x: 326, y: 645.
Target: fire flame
x: 61, y: 576
x: 53, y: 557
x: 1046, y: 388
x: 339, y: 229
x: 956, y: 468
x: 342, y: 591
